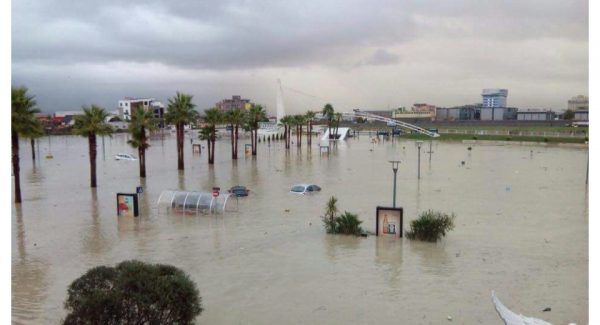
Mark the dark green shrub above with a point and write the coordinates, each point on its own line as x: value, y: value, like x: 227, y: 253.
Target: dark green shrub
x: 474, y: 138
x: 133, y: 292
x: 508, y: 139
x: 348, y: 224
x: 545, y: 139
x: 430, y: 226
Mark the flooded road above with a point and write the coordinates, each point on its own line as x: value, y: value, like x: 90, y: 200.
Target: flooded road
x: 521, y: 230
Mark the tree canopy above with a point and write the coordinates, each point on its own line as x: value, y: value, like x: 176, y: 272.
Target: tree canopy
x: 133, y: 292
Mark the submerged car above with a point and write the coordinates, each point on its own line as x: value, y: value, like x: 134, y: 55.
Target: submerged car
x: 239, y: 191
x: 305, y: 188
x: 124, y: 156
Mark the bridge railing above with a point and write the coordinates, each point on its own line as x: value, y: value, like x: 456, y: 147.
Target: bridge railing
x: 391, y: 121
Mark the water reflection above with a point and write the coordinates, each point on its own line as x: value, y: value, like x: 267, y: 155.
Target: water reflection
x: 94, y: 241
x: 338, y: 246
x: 29, y: 276
x: 389, y: 253
x: 433, y: 257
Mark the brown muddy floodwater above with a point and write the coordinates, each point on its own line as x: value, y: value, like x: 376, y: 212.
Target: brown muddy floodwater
x: 521, y: 230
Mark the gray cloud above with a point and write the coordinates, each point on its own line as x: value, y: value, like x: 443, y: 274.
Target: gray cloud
x: 73, y: 53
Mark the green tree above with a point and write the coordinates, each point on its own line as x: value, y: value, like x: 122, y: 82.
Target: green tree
x: 309, y: 116
x: 133, y: 292
x: 298, y: 121
x: 180, y: 112
x: 328, y: 112
x: 212, y: 117
x: 23, y: 123
x: 287, y: 122
x: 338, y: 118
x: 91, y: 123
x: 35, y: 132
x: 142, y: 121
x: 235, y: 118
x: 256, y: 114
x: 569, y: 114
x: 331, y: 211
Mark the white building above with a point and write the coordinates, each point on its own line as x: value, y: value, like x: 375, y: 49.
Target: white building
x: 128, y: 105
x: 494, y: 97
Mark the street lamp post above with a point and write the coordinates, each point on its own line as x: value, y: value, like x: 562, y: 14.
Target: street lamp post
x: 419, y: 143
x: 395, y: 164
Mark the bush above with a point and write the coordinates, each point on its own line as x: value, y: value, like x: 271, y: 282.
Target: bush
x: 430, y: 226
x: 133, y: 292
x: 348, y: 224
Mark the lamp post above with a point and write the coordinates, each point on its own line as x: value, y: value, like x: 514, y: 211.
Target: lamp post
x: 395, y: 164
x: 419, y: 143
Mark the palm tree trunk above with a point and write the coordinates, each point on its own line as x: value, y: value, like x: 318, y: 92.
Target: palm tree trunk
x: 142, y: 152
x: 15, y: 163
x: 235, y: 150
x: 255, y: 141
x: 32, y: 149
x: 309, y: 134
x: 232, y: 143
x: 92, y: 145
x: 329, y: 128
x: 180, y: 146
x: 285, y: 136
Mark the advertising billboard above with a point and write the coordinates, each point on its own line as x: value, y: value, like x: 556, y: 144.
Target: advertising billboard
x: 127, y: 205
x: 388, y: 222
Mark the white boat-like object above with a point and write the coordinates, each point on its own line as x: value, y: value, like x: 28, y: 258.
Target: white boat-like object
x: 511, y: 318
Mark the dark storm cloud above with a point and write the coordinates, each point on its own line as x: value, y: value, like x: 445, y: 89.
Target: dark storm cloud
x: 67, y: 51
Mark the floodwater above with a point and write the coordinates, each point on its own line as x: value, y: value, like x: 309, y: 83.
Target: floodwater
x: 521, y: 230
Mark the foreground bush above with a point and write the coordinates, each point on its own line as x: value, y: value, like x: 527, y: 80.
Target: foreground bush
x: 133, y: 292
x: 430, y: 226
x: 346, y: 223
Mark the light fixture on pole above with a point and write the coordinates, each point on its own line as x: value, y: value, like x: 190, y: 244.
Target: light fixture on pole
x: 395, y: 164
x: 419, y: 143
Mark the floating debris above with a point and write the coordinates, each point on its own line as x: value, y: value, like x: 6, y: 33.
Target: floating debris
x: 510, y: 318
x: 547, y: 309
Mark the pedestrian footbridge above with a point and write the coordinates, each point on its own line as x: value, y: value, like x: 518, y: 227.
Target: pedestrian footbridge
x: 343, y: 132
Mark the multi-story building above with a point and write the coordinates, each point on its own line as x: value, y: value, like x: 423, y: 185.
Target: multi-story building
x: 236, y: 102
x: 128, y: 105
x: 579, y: 103
x: 494, y: 97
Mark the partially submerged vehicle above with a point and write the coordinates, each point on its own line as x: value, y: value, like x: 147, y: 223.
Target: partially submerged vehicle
x: 305, y: 188
x: 239, y: 191
x: 125, y: 156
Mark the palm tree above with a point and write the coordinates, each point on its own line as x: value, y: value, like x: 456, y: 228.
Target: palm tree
x: 235, y: 118
x: 212, y: 117
x: 91, y: 123
x: 255, y: 115
x: 180, y: 112
x: 299, y: 121
x: 34, y: 133
x: 309, y: 116
x: 286, y: 121
x: 328, y: 113
x: 141, y: 121
x: 23, y: 123
x: 338, y: 117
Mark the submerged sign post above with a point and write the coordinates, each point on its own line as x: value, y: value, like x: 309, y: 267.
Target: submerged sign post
x: 388, y: 222
x: 127, y: 205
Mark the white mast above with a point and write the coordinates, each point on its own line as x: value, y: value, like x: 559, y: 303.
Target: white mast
x: 280, y: 107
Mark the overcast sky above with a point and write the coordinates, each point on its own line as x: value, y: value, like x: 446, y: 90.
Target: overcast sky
x: 350, y: 53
